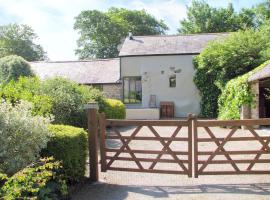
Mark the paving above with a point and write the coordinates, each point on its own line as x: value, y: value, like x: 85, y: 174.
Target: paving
x: 116, y: 185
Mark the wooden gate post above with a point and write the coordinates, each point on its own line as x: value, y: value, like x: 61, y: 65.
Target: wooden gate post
x: 92, y: 119
x: 190, y: 161
x: 195, y: 146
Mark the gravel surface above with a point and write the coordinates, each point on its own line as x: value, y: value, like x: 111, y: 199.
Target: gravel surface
x: 143, y: 186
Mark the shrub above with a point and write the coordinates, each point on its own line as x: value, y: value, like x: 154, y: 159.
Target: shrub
x: 68, y: 99
x: 12, y: 67
x: 28, y: 89
x: 43, y: 180
x: 237, y: 93
x: 3, y: 179
x: 113, y: 108
x: 226, y: 59
x: 22, y: 136
x: 68, y: 144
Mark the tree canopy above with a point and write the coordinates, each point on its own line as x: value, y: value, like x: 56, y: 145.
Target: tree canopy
x: 19, y: 40
x: 12, y: 68
x: 202, y: 18
x: 102, y: 32
x: 223, y: 60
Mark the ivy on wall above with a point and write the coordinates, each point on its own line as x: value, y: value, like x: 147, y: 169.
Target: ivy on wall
x: 237, y: 92
x: 226, y: 59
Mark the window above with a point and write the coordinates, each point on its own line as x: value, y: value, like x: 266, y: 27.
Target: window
x: 172, y: 81
x: 132, y: 89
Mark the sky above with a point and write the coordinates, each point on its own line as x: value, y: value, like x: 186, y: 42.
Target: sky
x: 53, y: 20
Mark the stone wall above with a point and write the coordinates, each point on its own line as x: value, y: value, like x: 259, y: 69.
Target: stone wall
x: 113, y: 91
x: 253, y: 111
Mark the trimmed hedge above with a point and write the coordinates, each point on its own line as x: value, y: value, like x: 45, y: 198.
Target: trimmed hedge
x: 113, y: 108
x: 42, y: 180
x: 69, y: 145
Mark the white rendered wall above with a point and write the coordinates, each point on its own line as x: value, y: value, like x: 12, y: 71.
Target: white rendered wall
x: 185, y: 95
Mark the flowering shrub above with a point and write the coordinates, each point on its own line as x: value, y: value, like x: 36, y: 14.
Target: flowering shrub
x: 22, y: 136
x: 42, y: 180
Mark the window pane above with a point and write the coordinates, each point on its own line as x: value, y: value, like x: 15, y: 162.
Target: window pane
x: 138, y: 91
x: 126, y: 90
x: 132, y: 90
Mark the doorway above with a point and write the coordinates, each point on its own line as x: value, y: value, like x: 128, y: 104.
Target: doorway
x: 264, y: 102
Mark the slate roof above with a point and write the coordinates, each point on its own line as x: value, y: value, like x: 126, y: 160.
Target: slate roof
x: 83, y: 72
x: 167, y: 44
x: 262, y: 74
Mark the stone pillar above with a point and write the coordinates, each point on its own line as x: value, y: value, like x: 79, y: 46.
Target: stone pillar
x: 245, y: 113
x: 255, y: 107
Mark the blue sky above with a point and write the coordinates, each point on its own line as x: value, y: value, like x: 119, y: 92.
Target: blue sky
x: 53, y: 20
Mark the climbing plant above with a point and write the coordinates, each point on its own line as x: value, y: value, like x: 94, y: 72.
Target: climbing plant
x: 225, y: 59
x: 236, y: 93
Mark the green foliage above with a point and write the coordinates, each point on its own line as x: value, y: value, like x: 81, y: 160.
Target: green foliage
x: 202, y: 18
x: 237, y: 93
x: 42, y: 180
x: 19, y: 40
x: 69, y: 145
x: 22, y: 136
x: 27, y: 89
x: 223, y: 60
x: 113, y: 109
x: 101, y: 32
x: 262, y: 11
x: 3, y: 179
x: 12, y: 67
x: 96, y: 95
x: 68, y: 100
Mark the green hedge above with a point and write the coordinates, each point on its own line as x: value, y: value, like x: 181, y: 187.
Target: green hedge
x: 69, y: 145
x: 42, y: 180
x: 113, y: 108
x: 237, y: 92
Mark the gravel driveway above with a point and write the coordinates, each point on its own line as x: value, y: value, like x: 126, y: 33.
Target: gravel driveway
x: 146, y: 186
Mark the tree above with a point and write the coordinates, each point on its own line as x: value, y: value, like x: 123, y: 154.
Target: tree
x: 102, y: 32
x: 262, y: 11
x: 201, y: 18
x: 19, y: 40
x: 12, y: 67
x: 223, y: 60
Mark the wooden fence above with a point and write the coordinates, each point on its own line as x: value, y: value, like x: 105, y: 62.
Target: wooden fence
x: 185, y: 165
x: 211, y: 151
x: 241, y: 153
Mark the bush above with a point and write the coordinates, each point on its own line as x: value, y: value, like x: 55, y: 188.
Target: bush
x: 22, y: 136
x: 113, y: 108
x: 12, y: 67
x: 236, y: 94
x: 226, y: 59
x: 68, y: 100
x: 28, y: 89
x: 42, y: 180
x: 69, y: 145
x: 3, y: 179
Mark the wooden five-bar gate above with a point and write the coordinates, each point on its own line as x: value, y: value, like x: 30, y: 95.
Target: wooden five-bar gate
x: 192, y: 146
